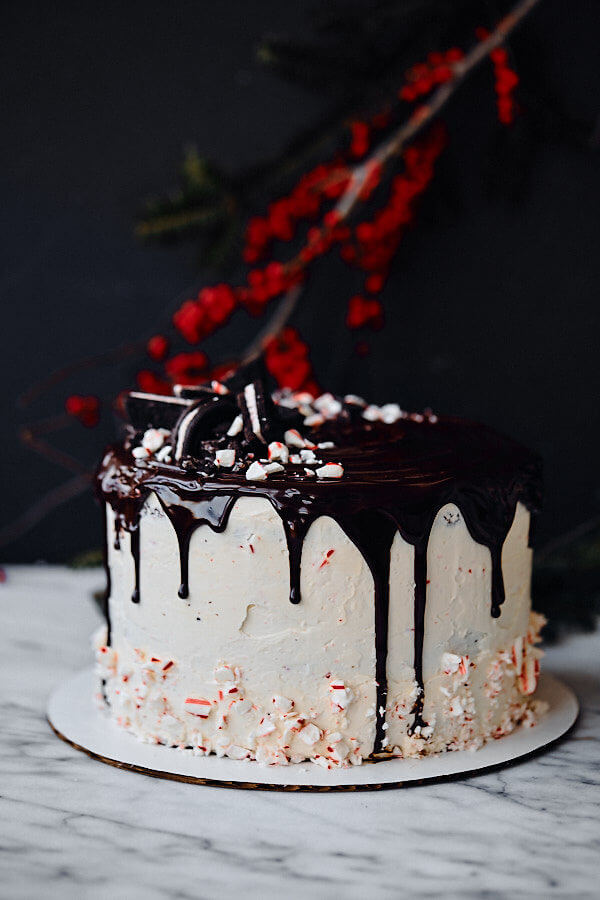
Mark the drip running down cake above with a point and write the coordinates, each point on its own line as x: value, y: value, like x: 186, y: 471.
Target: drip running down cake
x: 294, y: 578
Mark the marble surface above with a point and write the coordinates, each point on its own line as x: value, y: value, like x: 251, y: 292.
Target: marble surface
x: 75, y: 828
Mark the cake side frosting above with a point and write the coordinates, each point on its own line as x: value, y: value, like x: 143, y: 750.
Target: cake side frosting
x: 408, y: 578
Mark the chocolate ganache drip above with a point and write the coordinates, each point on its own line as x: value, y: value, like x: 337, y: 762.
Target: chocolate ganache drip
x: 374, y: 470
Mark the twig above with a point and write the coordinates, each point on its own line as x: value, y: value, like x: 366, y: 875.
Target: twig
x: 50, y: 501
x: 273, y: 327
x: 30, y: 439
x: 393, y: 146
x: 114, y: 355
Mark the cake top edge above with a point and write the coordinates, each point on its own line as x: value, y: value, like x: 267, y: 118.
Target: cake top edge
x: 238, y: 431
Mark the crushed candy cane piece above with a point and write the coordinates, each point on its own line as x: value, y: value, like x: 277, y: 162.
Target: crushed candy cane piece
x: 528, y: 678
x: 164, y: 454
x: 314, y: 420
x: 450, y: 663
x: 354, y: 400
x: 235, y: 427
x: 326, y: 445
x: 308, y: 456
x: 372, y: 413
x: 328, y: 405
x: 341, y: 696
x: 517, y: 654
x: 271, y: 468
x: 303, y: 397
x: 338, y: 751
x: 330, y: 470
x: 310, y: 473
x: 154, y: 438
x: 282, y: 704
x: 278, y: 452
x: 219, y: 388
x: 140, y: 453
x: 198, y: 706
x: 225, y: 458
x: 224, y: 673
x: 310, y: 734
x: 256, y: 472
x: 236, y: 752
x: 264, y: 727
x: 456, y: 708
x: 293, y: 438
x: 390, y: 413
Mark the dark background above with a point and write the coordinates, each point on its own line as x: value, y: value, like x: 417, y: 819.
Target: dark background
x: 492, y: 307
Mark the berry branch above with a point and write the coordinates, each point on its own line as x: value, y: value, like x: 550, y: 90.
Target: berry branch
x: 358, y: 180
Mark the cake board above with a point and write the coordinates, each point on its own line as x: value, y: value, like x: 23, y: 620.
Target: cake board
x: 75, y: 718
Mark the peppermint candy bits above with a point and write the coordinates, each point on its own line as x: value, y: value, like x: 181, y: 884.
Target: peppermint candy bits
x: 197, y: 706
x: 330, y: 470
x: 225, y: 459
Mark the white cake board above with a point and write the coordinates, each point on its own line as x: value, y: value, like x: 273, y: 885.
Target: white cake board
x: 75, y: 718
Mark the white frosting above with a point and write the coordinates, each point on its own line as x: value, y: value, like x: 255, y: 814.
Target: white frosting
x: 238, y: 670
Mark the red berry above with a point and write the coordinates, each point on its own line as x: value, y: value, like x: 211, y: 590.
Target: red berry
x: 152, y: 383
x: 85, y: 409
x: 188, y: 368
x: 157, y: 347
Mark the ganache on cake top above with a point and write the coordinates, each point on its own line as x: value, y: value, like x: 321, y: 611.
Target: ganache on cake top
x: 374, y: 470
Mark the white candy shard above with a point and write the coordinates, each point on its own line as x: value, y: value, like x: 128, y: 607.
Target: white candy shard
x: 235, y: 427
x: 235, y: 752
x: 338, y: 751
x: 243, y: 706
x: 314, y: 420
x: 354, y: 400
x: 264, y: 727
x: 225, y: 458
x: 278, y: 451
x: 390, y: 413
x: 293, y: 438
x: 164, y: 454
x: 456, y: 707
x: 219, y: 388
x: 372, y: 413
x: 310, y: 473
x: 269, y: 468
x: 198, y: 706
x: 328, y: 405
x: 303, y: 397
x: 310, y: 734
x: 154, y: 438
x: 256, y: 472
x: 224, y: 673
x: 341, y: 696
x: 330, y: 470
x: 308, y: 456
x: 282, y: 704
x: 140, y: 453
x: 326, y: 445
x: 450, y: 663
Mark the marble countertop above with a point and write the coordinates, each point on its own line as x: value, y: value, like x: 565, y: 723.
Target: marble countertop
x: 75, y: 828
